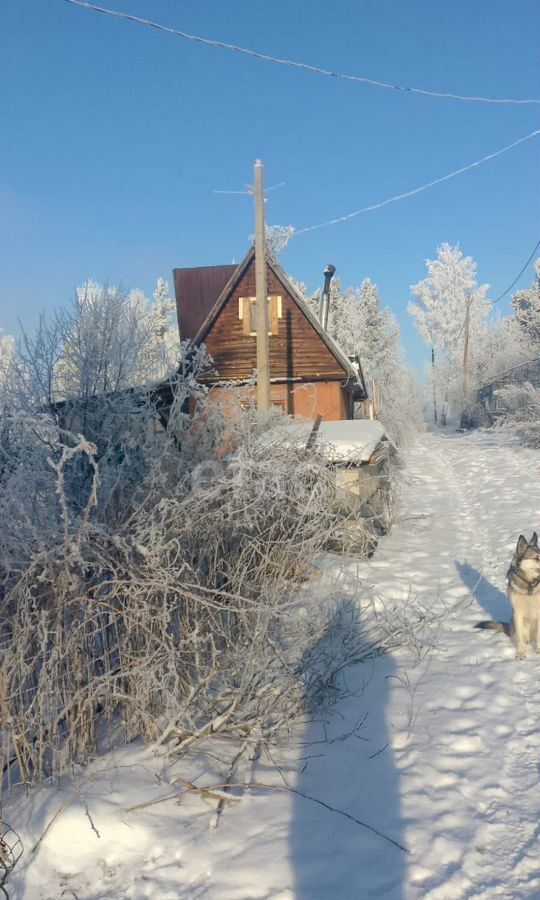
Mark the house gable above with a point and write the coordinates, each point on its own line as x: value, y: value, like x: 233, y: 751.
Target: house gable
x: 298, y: 351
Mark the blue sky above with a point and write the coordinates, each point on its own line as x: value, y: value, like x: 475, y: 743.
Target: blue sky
x: 115, y: 136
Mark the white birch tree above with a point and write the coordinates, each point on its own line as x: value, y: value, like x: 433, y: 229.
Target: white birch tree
x: 109, y: 340
x: 114, y: 339
x: 440, y: 312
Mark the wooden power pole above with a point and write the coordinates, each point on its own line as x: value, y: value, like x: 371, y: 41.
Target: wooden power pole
x: 263, y: 367
x: 433, y: 384
x: 466, y: 326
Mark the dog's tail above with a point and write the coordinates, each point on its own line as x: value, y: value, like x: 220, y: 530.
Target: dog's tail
x: 490, y: 625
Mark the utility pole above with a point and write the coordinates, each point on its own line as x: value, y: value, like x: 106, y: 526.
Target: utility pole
x: 464, y: 414
x: 433, y: 384
x: 263, y: 367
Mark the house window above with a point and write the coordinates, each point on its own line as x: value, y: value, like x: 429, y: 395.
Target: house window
x: 253, y: 317
x: 247, y: 313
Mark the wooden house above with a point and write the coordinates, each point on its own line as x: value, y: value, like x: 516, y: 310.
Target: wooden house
x: 487, y: 393
x: 309, y: 374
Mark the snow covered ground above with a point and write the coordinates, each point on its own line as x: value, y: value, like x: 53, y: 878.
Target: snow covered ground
x: 442, y: 756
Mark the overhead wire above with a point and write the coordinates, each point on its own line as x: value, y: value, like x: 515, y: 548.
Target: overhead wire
x: 423, y: 187
x: 504, y: 293
x: 295, y: 64
x: 215, y: 43
x: 518, y: 276
x: 359, y: 80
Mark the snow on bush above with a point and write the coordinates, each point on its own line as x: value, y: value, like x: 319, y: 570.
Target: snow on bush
x: 522, y: 404
x: 153, y: 586
x: 155, y: 565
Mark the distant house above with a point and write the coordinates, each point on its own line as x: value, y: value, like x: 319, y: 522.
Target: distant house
x: 487, y: 394
x: 309, y: 374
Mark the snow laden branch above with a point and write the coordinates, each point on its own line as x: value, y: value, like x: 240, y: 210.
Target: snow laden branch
x: 518, y: 391
x: 507, y: 374
x: 156, y: 564
x: 450, y: 311
x: 156, y: 588
x: 361, y: 326
x: 109, y: 339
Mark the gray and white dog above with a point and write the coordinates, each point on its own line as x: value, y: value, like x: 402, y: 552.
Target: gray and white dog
x: 523, y: 588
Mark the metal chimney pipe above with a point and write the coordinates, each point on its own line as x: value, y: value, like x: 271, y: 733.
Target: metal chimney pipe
x: 324, y: 304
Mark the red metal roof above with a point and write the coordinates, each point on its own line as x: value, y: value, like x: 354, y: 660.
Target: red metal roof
x: 196, y: 292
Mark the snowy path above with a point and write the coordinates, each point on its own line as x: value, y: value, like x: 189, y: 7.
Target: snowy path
x: 446, y: 762
x: 468, y: 770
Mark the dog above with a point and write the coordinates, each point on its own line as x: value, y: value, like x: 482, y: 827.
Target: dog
x: 523, y: 589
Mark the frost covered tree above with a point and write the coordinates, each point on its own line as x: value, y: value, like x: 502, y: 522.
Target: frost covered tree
x: 379, y: 332
x: 114, y: 339
x: 86, y: 370
x: 497, y: 349
x: 7, y: 345
x: 520, y: 395
x: 391, y: 385
x: 360, y: 325
x: 7, y: 386
x: 277, y: 237
x: 109, y: 340
x: 7, y: 349
x: 525, y: 322
x: 443, y: 298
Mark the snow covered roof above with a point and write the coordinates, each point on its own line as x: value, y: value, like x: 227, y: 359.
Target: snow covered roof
x: 350, y: 442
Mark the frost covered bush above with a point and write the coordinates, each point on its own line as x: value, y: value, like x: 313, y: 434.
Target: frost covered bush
x: 154, y: 559
x: 522, y: 404
x: 172, y: 613
x: 522, y: 398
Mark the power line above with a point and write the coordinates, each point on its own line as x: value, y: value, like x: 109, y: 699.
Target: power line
x: 412, y: 193
x: 249, y: 190
x: 516, y: 279
x: 504, y: 293
x: 318, y: 70
x: 493, y: 378
x: 452, y: 348
x: 418, y: 190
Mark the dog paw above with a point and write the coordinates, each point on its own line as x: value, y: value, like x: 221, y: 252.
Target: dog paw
x: 520, y: 654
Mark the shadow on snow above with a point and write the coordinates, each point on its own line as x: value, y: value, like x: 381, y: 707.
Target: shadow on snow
x: 489, y: 597
x: 347, y: 762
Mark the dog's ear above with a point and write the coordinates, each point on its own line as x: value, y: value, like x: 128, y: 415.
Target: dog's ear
x: 534, y: 540
x: 522, y: 545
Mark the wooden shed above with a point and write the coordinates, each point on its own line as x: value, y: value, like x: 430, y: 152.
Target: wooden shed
x: 309, y: 374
